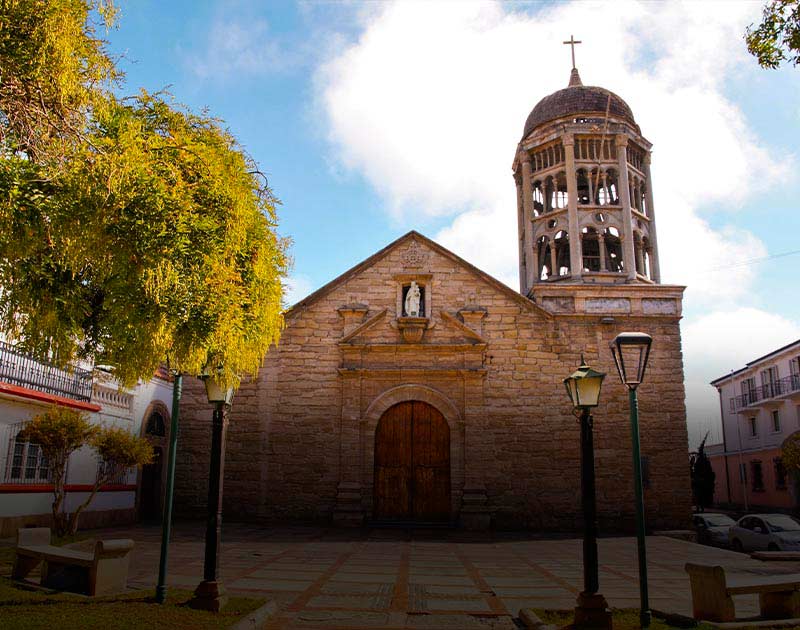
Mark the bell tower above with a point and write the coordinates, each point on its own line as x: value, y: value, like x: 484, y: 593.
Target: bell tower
x: 584, y: 195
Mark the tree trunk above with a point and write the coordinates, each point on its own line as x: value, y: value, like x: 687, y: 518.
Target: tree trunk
x: 73, y: 520
x: 59, y: 517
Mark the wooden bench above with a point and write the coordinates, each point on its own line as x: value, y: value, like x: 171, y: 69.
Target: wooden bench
x: 712, y: 593
x: 99, y: 570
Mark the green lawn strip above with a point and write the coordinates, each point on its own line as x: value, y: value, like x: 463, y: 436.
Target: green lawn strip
x: 623, y: 620
x: 26, y: 608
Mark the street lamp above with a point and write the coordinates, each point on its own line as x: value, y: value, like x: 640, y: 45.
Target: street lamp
x: 583, y: 388
x: 631, y: 351
x: 210, y: 593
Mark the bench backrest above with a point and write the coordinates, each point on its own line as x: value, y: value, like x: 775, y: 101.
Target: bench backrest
x: 112, y: 548
x: 710, y: 597
x: 33, y: 536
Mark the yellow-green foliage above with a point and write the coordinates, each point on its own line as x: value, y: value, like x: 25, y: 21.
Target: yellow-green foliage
x: 790, y: 453
x: 54, y: 67
x: 59, y: 431
x: 777, y: 38
x: 121, y: 449
x: 150, y: 235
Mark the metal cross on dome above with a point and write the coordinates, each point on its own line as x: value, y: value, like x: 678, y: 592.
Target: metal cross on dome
x: 572, y: 41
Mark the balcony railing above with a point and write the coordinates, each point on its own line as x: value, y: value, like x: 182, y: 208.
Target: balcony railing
x: 781, y: 387
x: 17, y: 368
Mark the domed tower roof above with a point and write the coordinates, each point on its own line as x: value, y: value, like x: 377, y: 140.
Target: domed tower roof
x: 577, y: 99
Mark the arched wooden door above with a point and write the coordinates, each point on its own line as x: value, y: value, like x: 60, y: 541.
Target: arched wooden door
x: 412, y: 464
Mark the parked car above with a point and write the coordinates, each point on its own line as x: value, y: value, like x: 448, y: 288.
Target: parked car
x: 712, y: 528
x: 770, y: 532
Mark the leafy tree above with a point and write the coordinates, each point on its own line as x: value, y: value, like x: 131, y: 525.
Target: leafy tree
x: 790, y: 453
x: 131, y: 230
x: 703, y: 477
x: 777, y: 38
x: 119, y: 451
x: 59, y: 432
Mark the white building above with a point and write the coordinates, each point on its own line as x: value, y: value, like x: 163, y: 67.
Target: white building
x: 27, y: 388
x: 760, y: 408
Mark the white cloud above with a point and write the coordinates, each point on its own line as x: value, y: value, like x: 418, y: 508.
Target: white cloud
x: 429, y: 102
x: 719, y: 342
x: 236, y: 46
x: 297, y: 286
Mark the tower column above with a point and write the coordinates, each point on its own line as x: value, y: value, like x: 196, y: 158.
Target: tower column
x: 527, y: 208
x: 655, y: 268
x: 521, y: 236
x: 601, y: 241
x: 575, y: 262
x: 628, y: 254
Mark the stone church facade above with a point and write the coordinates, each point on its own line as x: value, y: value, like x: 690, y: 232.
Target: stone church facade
x: 454, y: 411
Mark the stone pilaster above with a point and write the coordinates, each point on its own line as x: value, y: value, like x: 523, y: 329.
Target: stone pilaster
x: 655, y: 267
x: 527, y: 205
x: 349, y: 511
x: 352, y: 315
x: 575, y: 260
x: 628, y: 254
x: 475, y: 513
x: 520, y: 235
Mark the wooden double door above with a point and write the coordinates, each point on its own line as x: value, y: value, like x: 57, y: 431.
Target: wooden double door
x: 412, y: 464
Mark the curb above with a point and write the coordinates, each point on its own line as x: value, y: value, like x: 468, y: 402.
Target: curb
x: 256, y: 618
x: 531, y: 620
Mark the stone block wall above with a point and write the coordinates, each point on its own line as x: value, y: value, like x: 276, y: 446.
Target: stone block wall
x: 302, y: 436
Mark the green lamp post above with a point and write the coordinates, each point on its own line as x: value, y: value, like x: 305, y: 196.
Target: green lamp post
x: 631, y: 352
x: 166, y: 522
x: 210, y: 593
x: 583, y: 388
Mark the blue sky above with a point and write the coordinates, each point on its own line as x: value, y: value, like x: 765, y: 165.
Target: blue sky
x: 373, y: 119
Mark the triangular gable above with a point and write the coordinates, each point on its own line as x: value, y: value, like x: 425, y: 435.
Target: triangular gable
x: 414, y: 235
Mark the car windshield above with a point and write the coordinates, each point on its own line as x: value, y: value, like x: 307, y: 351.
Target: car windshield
x: 718, y: 520
x: 783, y: 524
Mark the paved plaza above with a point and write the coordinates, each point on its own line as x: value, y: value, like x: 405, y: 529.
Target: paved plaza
x: 337, y: 579
x: 385, y: 578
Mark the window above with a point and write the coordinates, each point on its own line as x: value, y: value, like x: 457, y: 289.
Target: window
x: 769, y: 380
x: 776, y: 420
x: 753, y: 427
x: 758, y: 476
x: 155, y: 425
x: 26, y: 463
x: 780, y: 474
x: 119, y: 475
x: 743, y: 474
x: 748, y: 386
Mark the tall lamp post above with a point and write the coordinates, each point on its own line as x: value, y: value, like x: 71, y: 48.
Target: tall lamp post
x: 210, y: 593
x: 583, y: 388
x: 631, y: 351
x: 166, y: 522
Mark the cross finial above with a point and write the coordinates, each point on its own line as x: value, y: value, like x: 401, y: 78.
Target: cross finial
x: 572, y: 41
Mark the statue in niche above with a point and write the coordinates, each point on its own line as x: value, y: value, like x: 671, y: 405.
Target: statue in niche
x: 412, y: 300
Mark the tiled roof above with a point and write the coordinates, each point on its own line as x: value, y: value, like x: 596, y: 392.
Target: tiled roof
x: 577, y: 99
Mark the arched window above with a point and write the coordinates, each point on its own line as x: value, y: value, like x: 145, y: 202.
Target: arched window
x: 155, y: 425
x: 643, y: 204
x: 612, y: 187
x: 538, y: 198
x: 584, y: 192
x: 613, y: 250
x: 543, y: 258
x: 561, y: 243
x: 591, y: 249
